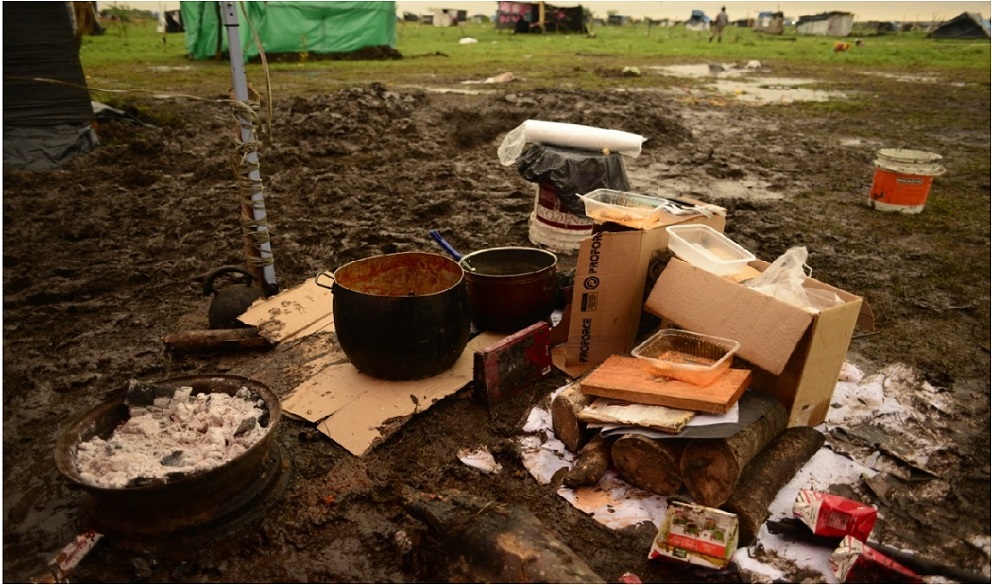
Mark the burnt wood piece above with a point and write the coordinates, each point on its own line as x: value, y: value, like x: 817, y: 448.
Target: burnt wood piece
x: 215, y: 340
x: 494, y: 542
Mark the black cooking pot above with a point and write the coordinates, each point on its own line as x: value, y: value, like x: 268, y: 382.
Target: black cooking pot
x: 401, y: 316
x: 510, y: 288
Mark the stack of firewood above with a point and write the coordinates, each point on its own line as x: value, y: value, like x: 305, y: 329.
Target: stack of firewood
x: 741, y: 472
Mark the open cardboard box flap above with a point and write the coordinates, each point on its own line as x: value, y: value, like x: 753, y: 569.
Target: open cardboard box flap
x: 768, y: 330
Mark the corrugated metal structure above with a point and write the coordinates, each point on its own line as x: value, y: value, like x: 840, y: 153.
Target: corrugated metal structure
x: 770, y: 22
x: 833, y: 24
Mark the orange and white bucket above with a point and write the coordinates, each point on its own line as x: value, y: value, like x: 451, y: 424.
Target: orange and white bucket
x: 902, y: 179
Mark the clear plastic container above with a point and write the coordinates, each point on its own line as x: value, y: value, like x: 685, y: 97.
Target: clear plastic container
x: 623, y: 207
x: 703, y: 246
x: 685, y: 355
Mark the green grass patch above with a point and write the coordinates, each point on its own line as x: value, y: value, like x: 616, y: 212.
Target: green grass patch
x: 132, y: 55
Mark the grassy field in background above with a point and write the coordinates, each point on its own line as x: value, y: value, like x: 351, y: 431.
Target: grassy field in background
x: 132, y: 56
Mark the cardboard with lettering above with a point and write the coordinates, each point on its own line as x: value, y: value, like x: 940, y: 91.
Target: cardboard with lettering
x: 611, y: 273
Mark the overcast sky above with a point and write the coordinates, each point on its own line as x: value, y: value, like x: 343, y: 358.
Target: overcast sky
x: 862, y: 11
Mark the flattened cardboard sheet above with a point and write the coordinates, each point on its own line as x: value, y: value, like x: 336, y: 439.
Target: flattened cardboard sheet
x: 292, y: 314
x: 358, y: 411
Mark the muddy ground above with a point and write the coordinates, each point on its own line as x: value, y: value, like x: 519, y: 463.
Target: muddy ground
x: 105, y: 257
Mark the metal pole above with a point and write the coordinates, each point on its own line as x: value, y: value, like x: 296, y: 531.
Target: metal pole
x: 260, y: 260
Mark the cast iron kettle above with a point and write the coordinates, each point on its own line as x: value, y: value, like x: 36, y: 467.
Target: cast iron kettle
x: 231, y: 301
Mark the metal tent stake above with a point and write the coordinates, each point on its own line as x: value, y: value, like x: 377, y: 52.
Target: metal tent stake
x: 256, y: 229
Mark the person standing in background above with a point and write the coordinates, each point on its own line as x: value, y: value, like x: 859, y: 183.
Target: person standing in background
x: 719, y: 24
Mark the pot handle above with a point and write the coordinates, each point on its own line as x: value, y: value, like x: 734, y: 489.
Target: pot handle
x: 316, y: 280
x: 444, y: 244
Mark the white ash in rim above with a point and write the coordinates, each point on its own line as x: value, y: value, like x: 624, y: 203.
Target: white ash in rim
x: 171, y: 437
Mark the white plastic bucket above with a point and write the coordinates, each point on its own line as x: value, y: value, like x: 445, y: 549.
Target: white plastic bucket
x: 554, y: 228
x: 902, y: 179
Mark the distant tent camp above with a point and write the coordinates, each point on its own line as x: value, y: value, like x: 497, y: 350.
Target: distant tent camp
x: 770, y: 22
x: 293, y: 28
x: 47, y: 113
x: 967, y: 25
x: 834, y: 24
x: 698, y: 21
x: 526, y: 17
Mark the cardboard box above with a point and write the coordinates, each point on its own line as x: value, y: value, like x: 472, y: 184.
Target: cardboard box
x: 696, y: 535
x: 797, y: 353
x: 608, y: 295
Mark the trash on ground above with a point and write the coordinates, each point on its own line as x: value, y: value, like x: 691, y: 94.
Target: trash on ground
x: 480, y: 459
x: 697, y: 535
x: 856, y: 562
x: 830, y: 515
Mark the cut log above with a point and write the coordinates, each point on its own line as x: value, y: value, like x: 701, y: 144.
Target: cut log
x: 768, y: 473
x: 490, y: 542
x: 711, y: 467
x: 650, y: 464
x: 593, y: 461
x: 213, y: 340
x: 565, y: 423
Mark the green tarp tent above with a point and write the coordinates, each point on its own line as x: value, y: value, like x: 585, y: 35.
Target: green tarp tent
x: 316, y: 28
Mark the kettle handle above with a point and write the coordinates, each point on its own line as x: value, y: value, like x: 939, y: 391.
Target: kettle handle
x: 208, y: 282
x: 316, y: 280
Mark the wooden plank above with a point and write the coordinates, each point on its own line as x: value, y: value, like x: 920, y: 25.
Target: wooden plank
x: 625, y: 378
x: 505, y: 367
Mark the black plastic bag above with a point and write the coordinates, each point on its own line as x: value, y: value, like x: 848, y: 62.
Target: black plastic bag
x: 573, y: 172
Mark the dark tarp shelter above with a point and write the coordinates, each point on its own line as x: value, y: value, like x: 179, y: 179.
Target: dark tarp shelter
x: 967, y: 25
x: 698, y: 21
x: 313, y: 28
x: 47, y: 113
x: 171, y: 21
x: 525, y: 17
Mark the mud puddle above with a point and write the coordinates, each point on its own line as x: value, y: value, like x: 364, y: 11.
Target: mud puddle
x: 733, y: 80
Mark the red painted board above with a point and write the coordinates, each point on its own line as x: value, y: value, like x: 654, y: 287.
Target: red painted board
x: 504, y: 368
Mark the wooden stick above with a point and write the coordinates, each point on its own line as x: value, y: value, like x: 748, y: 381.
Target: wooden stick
x: 650, y: 464
x: 212, y: 340
x: 711, y: 467
x: 766, y: 475
x: 565, y: 423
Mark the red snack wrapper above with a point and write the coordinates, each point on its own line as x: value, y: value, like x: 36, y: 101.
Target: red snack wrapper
x: 830, y: 515
x: 855, y: 562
